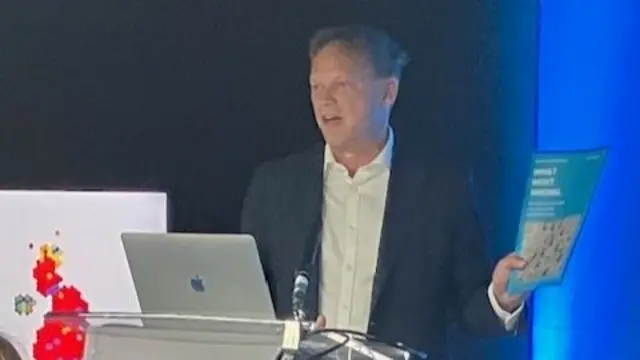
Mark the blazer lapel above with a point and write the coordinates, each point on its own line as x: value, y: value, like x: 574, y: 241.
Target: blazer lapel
x: 400, y: 209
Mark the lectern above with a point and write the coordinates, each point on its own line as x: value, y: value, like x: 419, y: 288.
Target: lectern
x: 120, y: 336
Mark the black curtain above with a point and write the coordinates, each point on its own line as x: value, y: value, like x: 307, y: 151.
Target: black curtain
x: 188, y: 97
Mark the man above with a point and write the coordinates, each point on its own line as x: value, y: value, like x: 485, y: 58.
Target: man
x: 401, y: 247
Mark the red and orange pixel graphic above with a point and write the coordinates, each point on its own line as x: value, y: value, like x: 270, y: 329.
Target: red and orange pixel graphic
x: 55, y: 339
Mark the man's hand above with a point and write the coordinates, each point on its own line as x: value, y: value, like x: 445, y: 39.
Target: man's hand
x: 500, y: 277
x: 321, y: 322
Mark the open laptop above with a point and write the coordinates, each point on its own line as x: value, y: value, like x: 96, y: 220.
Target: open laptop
x: 198, y: 274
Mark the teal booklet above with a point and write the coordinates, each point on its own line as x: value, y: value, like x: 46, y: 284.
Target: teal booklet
x: 559, y: 193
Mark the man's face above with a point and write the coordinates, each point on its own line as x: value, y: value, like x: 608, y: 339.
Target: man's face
x: 349, y: 101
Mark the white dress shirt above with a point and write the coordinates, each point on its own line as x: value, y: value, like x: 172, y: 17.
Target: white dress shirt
x: 352, y: 225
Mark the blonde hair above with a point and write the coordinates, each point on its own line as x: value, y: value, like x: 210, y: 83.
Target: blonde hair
x: 7, y: 350
x: 384, y: 54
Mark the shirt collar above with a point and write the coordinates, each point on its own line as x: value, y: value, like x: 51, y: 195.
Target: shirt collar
x: 383, y: 158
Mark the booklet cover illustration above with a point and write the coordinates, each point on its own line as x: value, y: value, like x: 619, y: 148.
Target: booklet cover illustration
x: 559, y: 193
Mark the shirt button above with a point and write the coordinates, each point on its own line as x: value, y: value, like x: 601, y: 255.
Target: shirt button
x: 349, y: 268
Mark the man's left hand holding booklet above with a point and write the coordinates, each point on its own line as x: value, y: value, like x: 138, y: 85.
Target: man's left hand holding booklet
x: 559, y: 192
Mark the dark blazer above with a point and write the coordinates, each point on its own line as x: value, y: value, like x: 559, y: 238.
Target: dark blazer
x: 431, y: 261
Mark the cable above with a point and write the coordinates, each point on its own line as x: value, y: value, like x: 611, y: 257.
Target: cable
x: 367, y: 337
x: 288, y: 356
x: 331, y: 349
x: 347, y: 335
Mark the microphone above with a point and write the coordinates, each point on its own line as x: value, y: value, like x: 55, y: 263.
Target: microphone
x: 300, y: 287
x: 301, y: 281
x: 302, y: 278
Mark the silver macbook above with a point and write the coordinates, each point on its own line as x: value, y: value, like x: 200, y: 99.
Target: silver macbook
x: 198, y: 274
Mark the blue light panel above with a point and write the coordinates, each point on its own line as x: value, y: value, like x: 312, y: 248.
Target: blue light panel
x: 589, y: 95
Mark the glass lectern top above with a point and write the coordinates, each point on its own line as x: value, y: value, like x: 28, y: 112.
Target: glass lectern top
x: 122, y: 336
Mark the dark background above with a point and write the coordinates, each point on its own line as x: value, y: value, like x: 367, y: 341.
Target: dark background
x: 189, y: 97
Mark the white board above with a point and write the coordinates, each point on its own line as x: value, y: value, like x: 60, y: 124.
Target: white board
x: 82, y: 231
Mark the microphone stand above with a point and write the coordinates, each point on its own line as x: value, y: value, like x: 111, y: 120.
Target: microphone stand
x: 298, y: 297
x: 301, y: 285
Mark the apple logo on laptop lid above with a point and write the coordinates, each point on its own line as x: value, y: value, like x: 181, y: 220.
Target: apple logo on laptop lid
x: 197, y: 284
